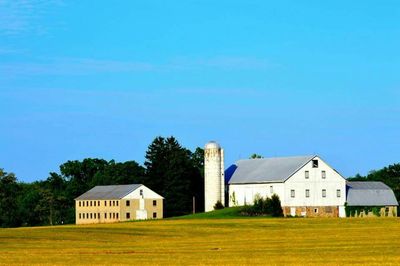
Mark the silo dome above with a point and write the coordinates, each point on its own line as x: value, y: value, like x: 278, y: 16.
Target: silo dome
x: 212, y: 145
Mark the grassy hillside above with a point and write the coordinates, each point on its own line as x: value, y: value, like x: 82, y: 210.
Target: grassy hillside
x: 233, y: 212
x: 208, y: 241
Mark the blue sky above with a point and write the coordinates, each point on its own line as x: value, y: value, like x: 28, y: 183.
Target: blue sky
x: 82, y: 79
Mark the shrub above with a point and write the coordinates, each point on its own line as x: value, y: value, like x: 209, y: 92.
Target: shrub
x: 268, y: 206
x: 218, y: 206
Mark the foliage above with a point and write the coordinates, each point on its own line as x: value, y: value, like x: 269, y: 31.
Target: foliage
x: 352, y: 211
x: 256, y: 156
x: 218, y: 205
x: 264, y: 206
x: 8, y: 205
x: 175, y: 173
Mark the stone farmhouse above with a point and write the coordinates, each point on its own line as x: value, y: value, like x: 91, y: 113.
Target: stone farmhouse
x: 306, y: 186
x: 107, y: 204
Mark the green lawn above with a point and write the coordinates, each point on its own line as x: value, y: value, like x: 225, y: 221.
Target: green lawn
x: 208, y: 241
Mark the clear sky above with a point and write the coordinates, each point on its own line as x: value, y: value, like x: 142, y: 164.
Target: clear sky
x: 103, y: 78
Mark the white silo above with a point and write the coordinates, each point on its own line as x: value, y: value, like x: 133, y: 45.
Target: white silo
x: 214, y: 181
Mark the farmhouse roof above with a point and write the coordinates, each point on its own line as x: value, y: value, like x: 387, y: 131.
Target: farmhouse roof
x: 366, y: 193
x: 265, y: 170
x: 108, y: 192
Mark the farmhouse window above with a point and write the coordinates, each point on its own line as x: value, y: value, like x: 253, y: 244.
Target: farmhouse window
x: 307, y: 174
x: 87, y: 215
x: 79, y: 203
x: 105, y: 203
x: 154, y: 203
x: 154, y: 215
x: 91, y: 216
x: 315, y: 163
x: 338, y: 193
x: 323, y: 174
x: 271, y: 189
x: 110, y: 203
x: 117, y: 214
x: 98, y: 203
x: 105, y: 215
x: 307, y: 193
x: 316, y: 210
x: 95, y: 215
x: 324, y: 193
x: 98, y: 216
x: 141, y: 192
x: 95, y: 203
x: 79, y: 216
x: 83, y: 203
x: 292, y: 193
x: 83, y: 216
x: 87, y: 203
x: 128, y: 203
x: 128, y: 215
x: 117, y: 202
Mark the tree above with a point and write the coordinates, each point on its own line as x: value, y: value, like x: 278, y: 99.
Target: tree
x: 170, y: 171
x: 256, y: 156
x: 9, y: 189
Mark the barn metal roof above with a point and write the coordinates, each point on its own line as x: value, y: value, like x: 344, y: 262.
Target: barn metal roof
x: 266, y: 170
x: 366, y: 193
x: 108, y: 192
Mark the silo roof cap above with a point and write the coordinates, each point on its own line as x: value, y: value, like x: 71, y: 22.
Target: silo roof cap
x: 212, y: 145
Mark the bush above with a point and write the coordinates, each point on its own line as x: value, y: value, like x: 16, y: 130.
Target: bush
x: 268, y: 206
x: 218, y: 206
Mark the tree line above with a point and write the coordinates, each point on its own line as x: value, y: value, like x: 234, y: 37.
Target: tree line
x: 169, y: 169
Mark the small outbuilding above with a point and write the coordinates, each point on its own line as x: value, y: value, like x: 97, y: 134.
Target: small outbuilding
x: 107, y: 204
x: 370, y: 199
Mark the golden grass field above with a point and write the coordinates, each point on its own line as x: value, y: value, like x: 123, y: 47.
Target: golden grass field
x: 208, y: 241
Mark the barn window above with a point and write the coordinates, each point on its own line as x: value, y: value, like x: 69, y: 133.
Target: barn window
x: 154, y: 203
x: 128, y: 203
x: 324, y: 193
x: 323, y: 174
x: 307, y: 174
x: 315, y: 163
x: 292, y: 193
x: 128, y: 215
x: 154, y: 215
x: 338, y: 193
x: 307, y: 193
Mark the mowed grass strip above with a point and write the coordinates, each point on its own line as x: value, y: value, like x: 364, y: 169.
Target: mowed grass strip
x: 208, y: 241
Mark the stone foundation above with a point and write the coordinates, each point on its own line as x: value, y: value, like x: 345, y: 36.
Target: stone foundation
x: 312, y: 211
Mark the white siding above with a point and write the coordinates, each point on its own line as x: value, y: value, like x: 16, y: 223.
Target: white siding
x: 247, y: 192
x: 315, y: 183
x: 147, y: 194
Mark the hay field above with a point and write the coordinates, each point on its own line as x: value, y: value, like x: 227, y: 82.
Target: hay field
x: 208, y: 241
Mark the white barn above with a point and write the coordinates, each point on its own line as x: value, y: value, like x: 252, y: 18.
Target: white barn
x: 306, y: 185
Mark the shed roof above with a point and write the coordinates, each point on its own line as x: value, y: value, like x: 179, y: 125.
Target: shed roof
x: 366, y: 193
x: 108, y: 192
x: 266, y: 169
